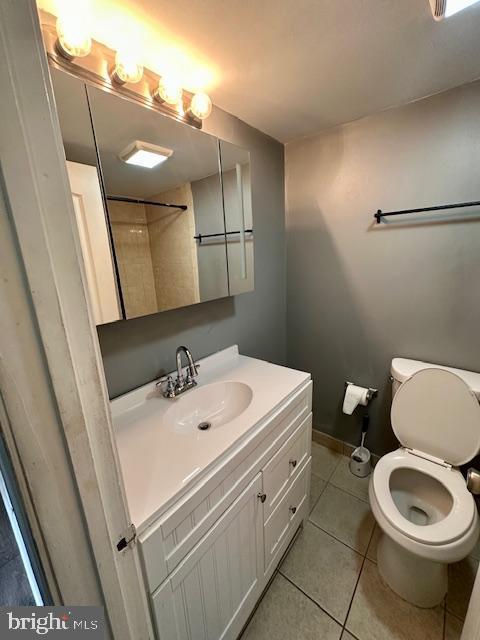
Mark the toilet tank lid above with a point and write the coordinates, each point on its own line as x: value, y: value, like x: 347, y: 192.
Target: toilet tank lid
x: 403, y: 368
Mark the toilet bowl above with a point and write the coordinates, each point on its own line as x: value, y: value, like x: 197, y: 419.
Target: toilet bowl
x: 417, y: 495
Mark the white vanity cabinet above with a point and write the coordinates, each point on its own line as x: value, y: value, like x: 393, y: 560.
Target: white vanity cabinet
x: 208, y: 558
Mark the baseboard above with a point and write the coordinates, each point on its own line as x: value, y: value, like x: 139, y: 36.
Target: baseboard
x: 345, y: 448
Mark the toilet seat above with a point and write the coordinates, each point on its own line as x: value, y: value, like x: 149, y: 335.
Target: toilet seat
x: 452, y: 527
x: 435, y: 412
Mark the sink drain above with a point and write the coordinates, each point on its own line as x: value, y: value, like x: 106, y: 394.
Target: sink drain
x: 203, y: 426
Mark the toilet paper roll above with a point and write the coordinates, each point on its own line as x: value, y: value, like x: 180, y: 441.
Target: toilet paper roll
x: 353, y: 397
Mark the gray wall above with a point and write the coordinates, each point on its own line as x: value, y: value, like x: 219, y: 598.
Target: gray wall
x: 359, y: 294
x: 136, y: 351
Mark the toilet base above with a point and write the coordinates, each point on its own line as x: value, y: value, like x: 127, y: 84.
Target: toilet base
x: 417, y: 580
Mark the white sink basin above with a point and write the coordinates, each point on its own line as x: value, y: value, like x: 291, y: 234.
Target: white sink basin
x: 208, y: 407
x: 162, y: 453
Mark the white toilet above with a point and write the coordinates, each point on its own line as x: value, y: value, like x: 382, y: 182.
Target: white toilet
x: 417, y: 495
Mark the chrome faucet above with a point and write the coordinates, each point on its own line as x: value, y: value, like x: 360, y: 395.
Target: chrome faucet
x: 183, y: 382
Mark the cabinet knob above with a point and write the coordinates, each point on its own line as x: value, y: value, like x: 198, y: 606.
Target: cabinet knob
x: 293, y: 509
x: 262, y: 496
x: 293, y: 463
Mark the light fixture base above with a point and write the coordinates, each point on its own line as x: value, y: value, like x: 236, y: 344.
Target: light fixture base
x: 114, y: 77
x: 195, y: 119
x: 61, y: 51
x: 158, y: 98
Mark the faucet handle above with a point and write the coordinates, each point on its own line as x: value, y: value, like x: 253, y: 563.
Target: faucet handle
x: 169, y: 390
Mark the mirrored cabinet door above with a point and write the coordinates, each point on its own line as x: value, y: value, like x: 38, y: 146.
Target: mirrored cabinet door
x: 237, y: 198
x: 163, y: 191
x: 95, y: 247
x: 164, y: 210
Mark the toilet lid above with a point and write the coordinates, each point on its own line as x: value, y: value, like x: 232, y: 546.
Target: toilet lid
x: 437, y: 413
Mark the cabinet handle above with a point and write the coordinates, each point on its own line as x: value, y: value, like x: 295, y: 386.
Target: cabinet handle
x: 293, y: 509
x: 293, y: 463
x: 262, y: 496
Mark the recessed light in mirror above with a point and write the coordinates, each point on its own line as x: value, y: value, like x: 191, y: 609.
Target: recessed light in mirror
x: 144, y: 154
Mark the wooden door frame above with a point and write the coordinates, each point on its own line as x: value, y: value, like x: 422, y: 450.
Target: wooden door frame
x: 51, y: 374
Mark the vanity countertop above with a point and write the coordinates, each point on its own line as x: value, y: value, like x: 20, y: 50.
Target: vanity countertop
x: 160, y: 463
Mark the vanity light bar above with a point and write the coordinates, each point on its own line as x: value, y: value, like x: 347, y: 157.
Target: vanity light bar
x: 73, y: 40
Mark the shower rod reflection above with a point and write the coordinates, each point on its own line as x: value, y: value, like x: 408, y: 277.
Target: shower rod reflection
x: 182, y: 207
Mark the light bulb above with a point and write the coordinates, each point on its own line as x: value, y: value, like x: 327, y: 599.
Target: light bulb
x: 74, y: 39
x: 127, y: 67
x: 169, y: 91
x: 201, y: 106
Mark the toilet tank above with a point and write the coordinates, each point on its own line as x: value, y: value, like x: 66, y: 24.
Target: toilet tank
x: 402, y: 369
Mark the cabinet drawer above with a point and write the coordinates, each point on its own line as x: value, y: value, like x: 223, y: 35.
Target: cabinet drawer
x: 284, y: 467
x: 167, y: 541
x: 287, y: 516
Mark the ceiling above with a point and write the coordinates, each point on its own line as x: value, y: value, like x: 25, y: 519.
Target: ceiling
x: 294, y: 67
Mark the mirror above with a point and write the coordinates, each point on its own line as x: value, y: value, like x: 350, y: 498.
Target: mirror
x: 94, y: 234
x: 156, y: 212
x: 235, y: 163
x: 164, y: 209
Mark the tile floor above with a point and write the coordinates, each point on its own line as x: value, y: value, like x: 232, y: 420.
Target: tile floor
x: 14, y: 587
x: 328, y: 586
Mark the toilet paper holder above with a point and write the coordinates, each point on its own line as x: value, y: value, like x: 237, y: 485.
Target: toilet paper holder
x: 371, y: 393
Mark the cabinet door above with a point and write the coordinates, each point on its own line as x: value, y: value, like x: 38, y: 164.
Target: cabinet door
x: 212, y: 592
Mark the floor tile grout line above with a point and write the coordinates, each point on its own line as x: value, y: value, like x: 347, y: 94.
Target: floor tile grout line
x: 334, y: 468
x: 276, y: 571
x: 356, y: 586
x: 294, y: 584
x: 370, y: 542
x: 258, y: 603
x: 329, y: 481
x: 444, y: 630
x: 363, y: 555
x: 320, y: 495
x: 350, y: 493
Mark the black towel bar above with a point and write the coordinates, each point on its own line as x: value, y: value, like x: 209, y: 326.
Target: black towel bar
x: 382, y: 214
